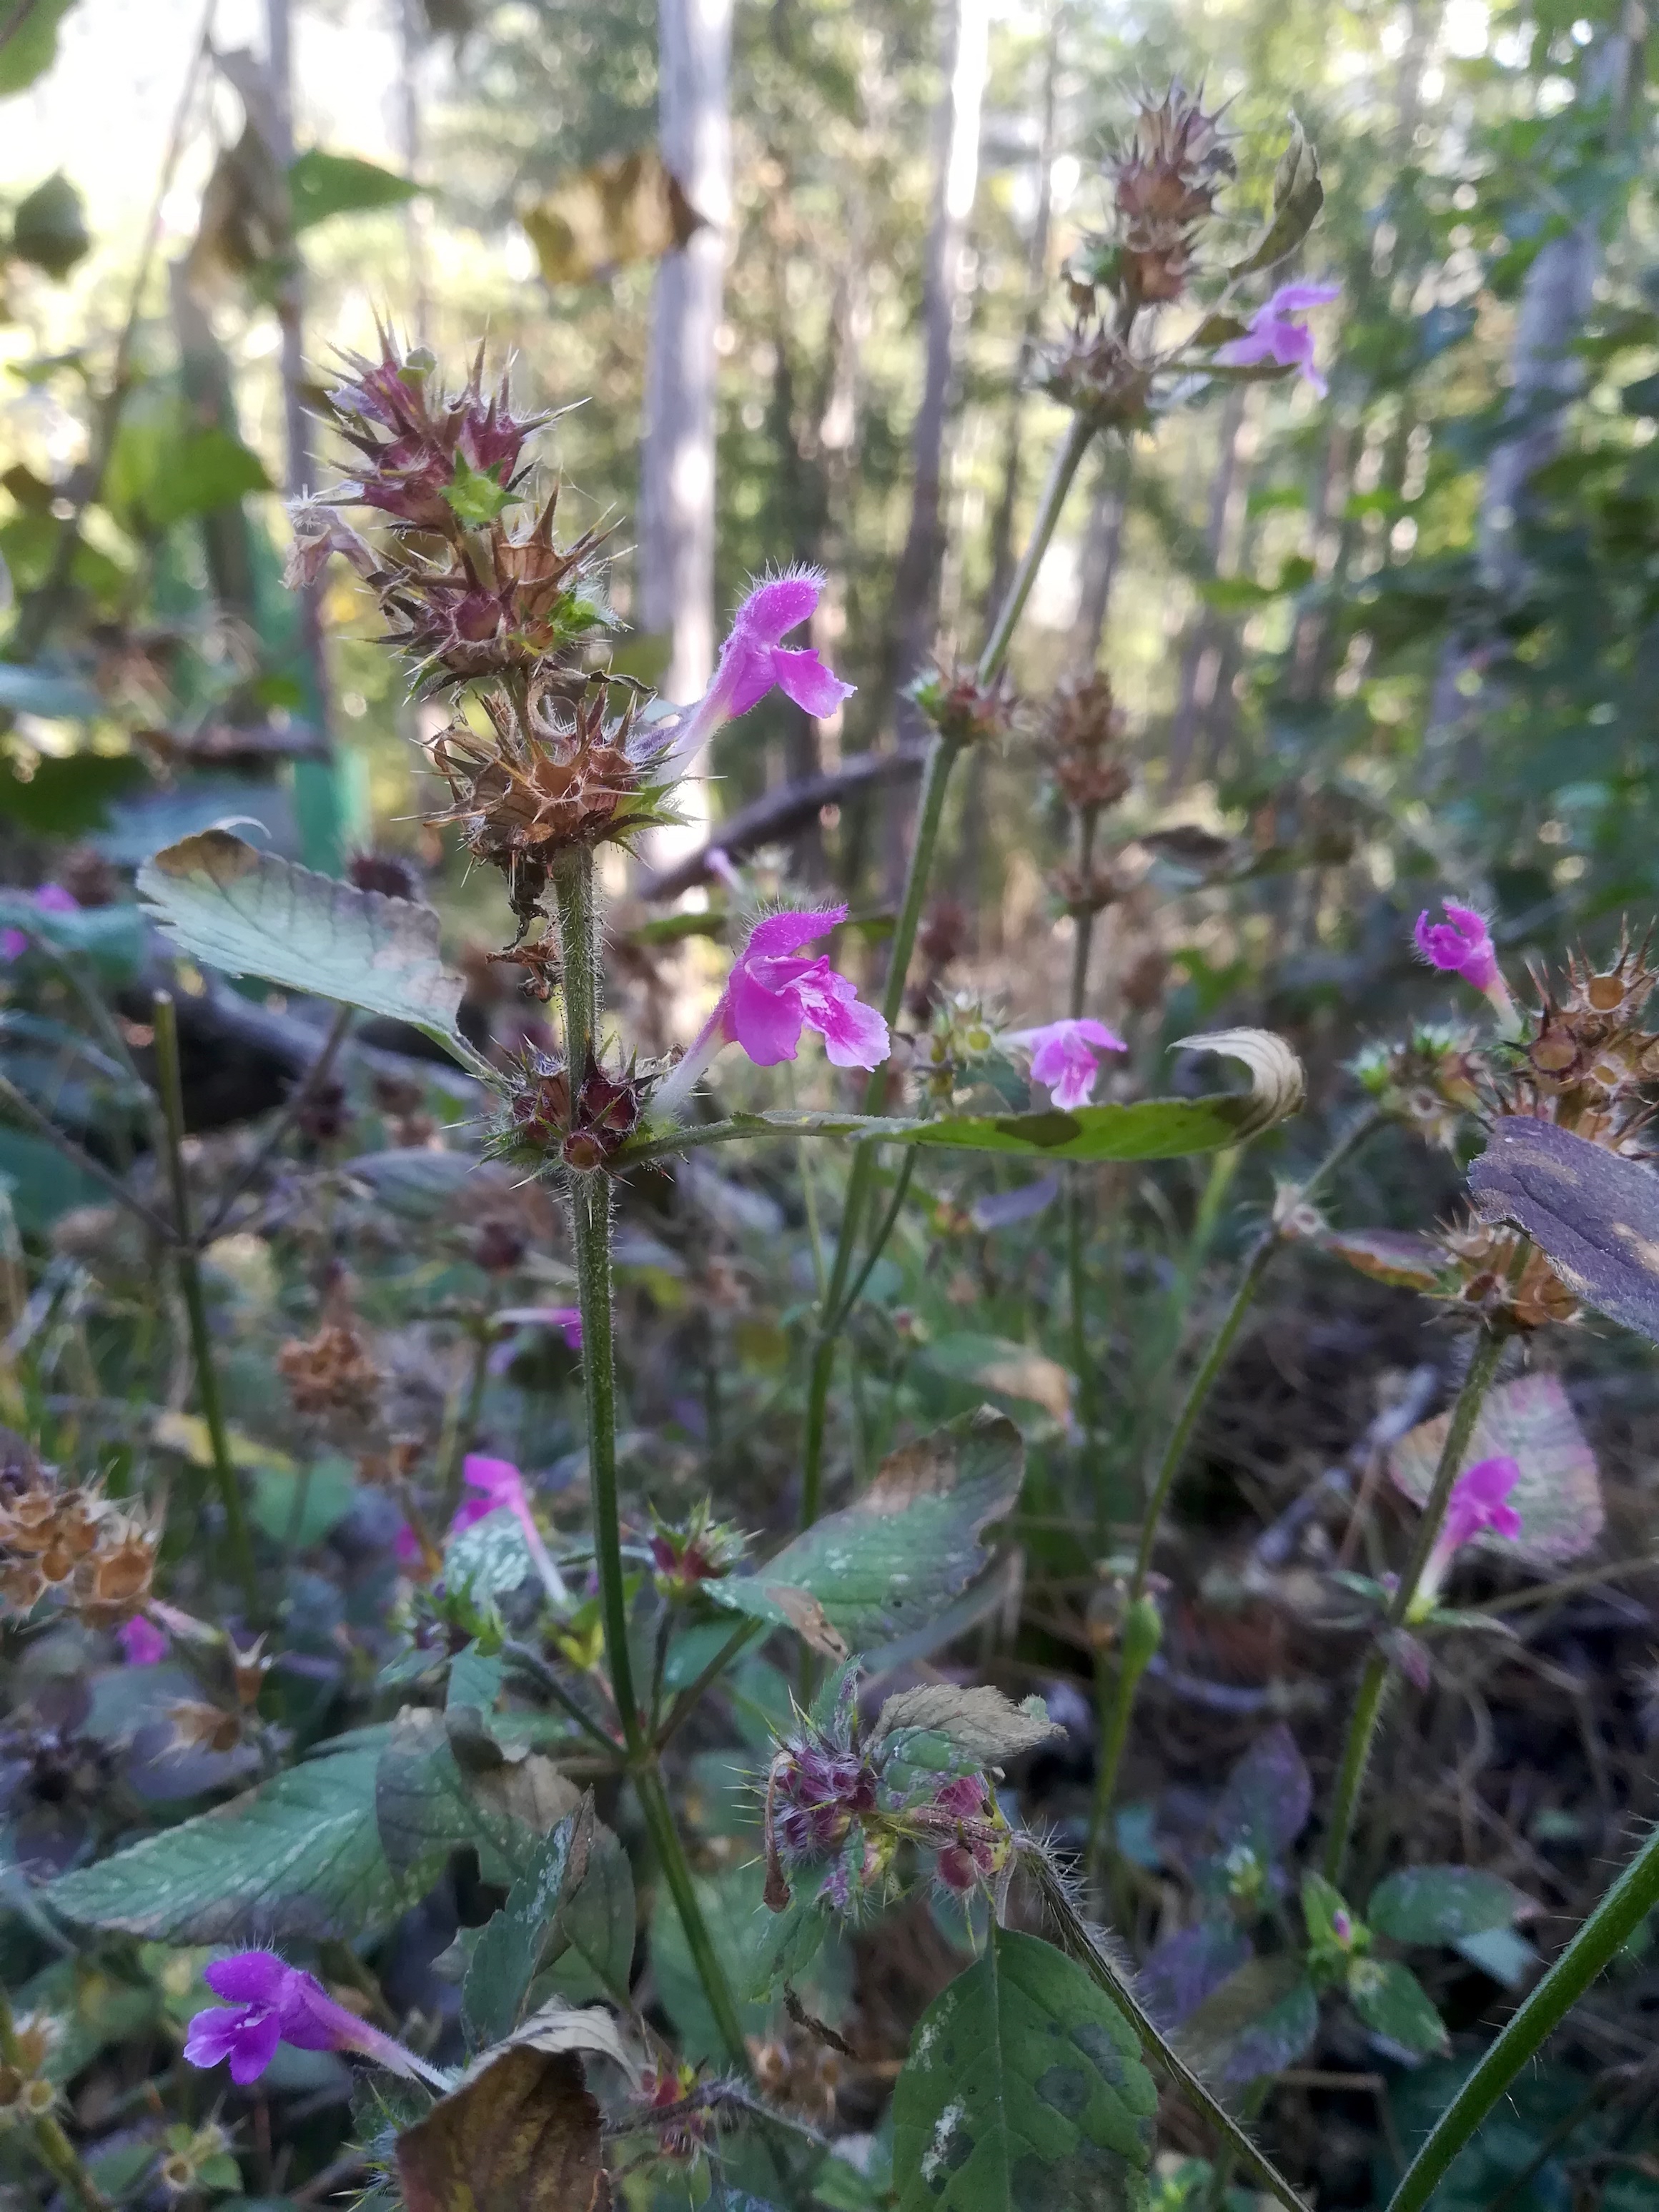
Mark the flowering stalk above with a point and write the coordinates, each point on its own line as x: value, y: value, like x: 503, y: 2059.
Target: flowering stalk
x: 1115, y: 1719
x: 1379, y: 1667
x: 57, y: 2153
x: 835, y: 1305
x: 171, y: 1085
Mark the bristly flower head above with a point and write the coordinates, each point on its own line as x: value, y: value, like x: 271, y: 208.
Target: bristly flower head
x: 271, y: 2003
x: 686, y: 1554
x: 772, y: 994
x: 754, y: 660
x: 1166, y: 181
x: 1065, y: 1057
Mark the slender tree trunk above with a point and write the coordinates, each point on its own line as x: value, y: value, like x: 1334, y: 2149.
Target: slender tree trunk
x: 676, y: 489
x: 916, y: 582
x: 411, y: 47
x: 210, y: 395
x: 1200, y: 662
x: 319, y: 792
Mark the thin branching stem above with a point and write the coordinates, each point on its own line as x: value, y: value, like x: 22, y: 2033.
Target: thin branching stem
x: 1379, y: 1666
x: 57, y: 2153
x: 1114, y: 1731
x: 170, y: 1083
x: 671, y: 1854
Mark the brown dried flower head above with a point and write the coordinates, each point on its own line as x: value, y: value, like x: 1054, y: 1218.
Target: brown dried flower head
x: 197, y: 1726
x: 96, y: 1557
x: 331, y: 1372
x: 1587, y: 1062
x: 1482, y: 1275
x: 1080, y: 736
x: 1165, y: 182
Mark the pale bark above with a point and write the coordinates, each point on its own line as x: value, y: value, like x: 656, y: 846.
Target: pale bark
x: 916, y: 585
x: 1103, y: 544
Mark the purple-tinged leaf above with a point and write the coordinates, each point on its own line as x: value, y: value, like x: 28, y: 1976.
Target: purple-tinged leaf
x: 1001, y: 1209
x: 1409, y: 1654
x: 1261, y: 2020
x: 1268, y: 1796
x: 1558, y: 1495
x: 1594, y: 1214
x: 1184, y: 1969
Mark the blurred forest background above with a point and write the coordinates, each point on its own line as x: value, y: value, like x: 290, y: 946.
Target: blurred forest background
x: 1366, y: 647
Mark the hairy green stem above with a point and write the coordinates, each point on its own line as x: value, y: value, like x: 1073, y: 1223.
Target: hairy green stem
x: 57, y: 2153
x: 1379, y: 1667
x: 1115, y: 1732
x: 935, y: 780
x: 1615, y: 1920
x: 170, y: 1083
x: 1080, y: 1942
x: 665, y: 1840
x: 590, y: 1210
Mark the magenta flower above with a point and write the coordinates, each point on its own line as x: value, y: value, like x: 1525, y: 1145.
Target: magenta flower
x: 271, y: 2003
x: 51, y: 898
x: 568, y: 1320
x: 142, y: 1642
x: 501, y: 1488
x: 754, y: 660
x: 1460, y: 946
x: 1479, y: 1506
x: 1065, y: 1057
x: 773, y: 993
x: 1275, y: 335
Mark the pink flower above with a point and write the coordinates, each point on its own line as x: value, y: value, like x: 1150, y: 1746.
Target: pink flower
x: 771, y: 995
x: 12, y: 944
x: 1460, y: 946
x: 501, y: 1488
x: 407, y: 1548
x: 271, y: 2003
x: 1479, y: 1506
x: 142, y: 1642
x: 568, y: 1320
x: 1065, y: 1057
x: 1275, y: 335
x: 754, y: 661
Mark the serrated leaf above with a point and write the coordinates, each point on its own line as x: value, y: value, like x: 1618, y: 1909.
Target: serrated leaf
x: 520, y: 2133
x: 299, y: 1857
x: 1594, y: 1214
x: 1261, y: 2020
x: 1559, y: 1495
x: 1023, y: 2088
x: 1393, y: 2003
x: 1183, y: 1969
x: 508, y: 1952
x: 1268, y: 1797
x: 980, y: 1724
x: 427, y: 1803
x: 894, y: 1558
x: 1444, y: 1904
x: 1298, y: 195
x: 590, y: 1949
x: 250, y: 914
x: 490, y: 1558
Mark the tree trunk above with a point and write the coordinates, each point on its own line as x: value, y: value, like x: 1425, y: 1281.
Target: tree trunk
x: 1200, y: 663
x: 677, y: 488
x: 915, y: 584
x: 320, y: 798
x: 1102, y: 542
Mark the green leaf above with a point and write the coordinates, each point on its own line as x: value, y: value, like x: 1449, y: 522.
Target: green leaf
x: 1260, y: 2020
x: 508, y: 1951
x: 1559, y: 1495
x: 741, y: 1930
x: 1443, y: 1904
x: 588, y: 1956
x: 1320, y: 1903
x: 490, y: 1559
x: 892, y: 1560
x: 39, y: 1182
x: 1023, y: 2088
x: 32, y: 48
x: 1393, y: 2003
x: 477, y: 496
x: 1298, y: 195
x: 201, y: 471
x: 442, y: 1781
x: 993, y: 1362
x: 323, y: 1495
x: 299, y: 1857
x: 250, y: 914
x: 66, y: 798
x: 978, y: 1724
x: 50, y: 227
x: 323, y: 185
x: 110, y: 938
x: 418, y: 1184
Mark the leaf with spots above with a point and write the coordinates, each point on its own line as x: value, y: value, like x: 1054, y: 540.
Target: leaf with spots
x: 299, y: 1857
x: 1594, y: 1214
x: 520, y: 2133
x: 1024, y: 2092
x: 250, y: 912
x: 893, y: 1560
x: 1558, y: 1495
